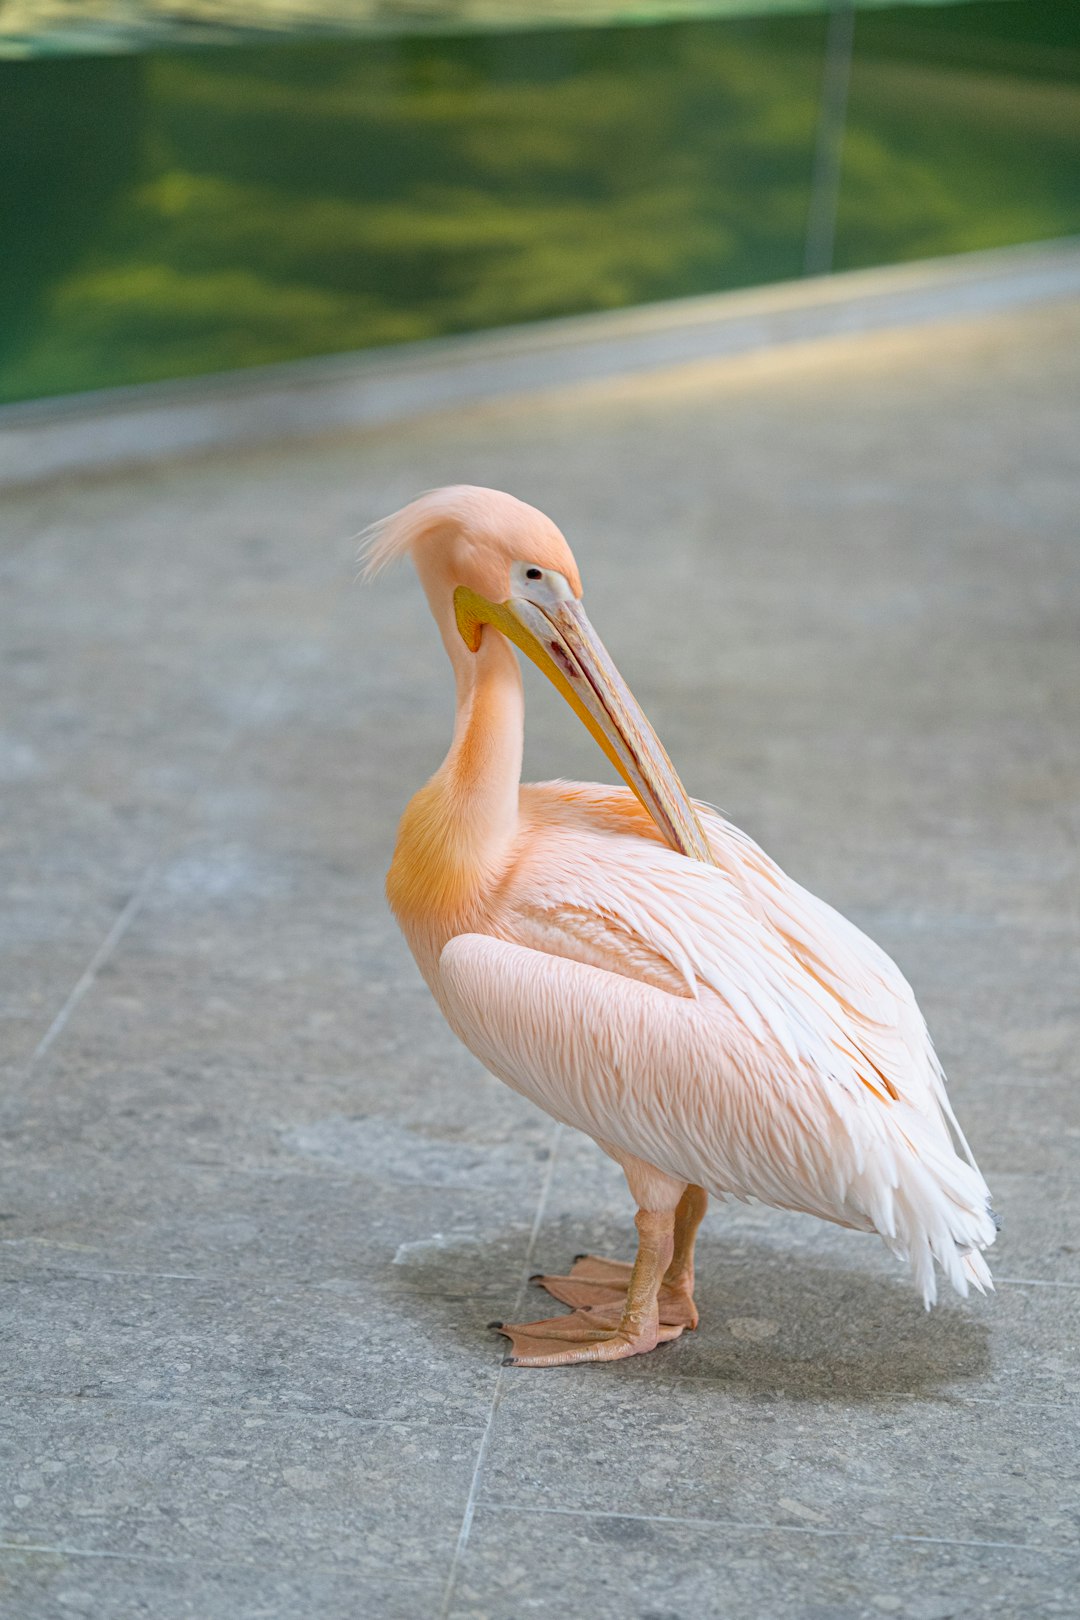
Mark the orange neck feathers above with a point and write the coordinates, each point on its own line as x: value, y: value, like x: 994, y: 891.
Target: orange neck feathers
x: 457, y: 832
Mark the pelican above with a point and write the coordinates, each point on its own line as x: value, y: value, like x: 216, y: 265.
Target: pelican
x: 638, y: 968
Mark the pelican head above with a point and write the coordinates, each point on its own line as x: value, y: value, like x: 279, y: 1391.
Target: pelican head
x: 491, y: 564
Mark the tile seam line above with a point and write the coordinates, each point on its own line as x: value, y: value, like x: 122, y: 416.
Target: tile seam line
x: 945, y: 1397
x: 101, y: 956
x: 231, y: 743
x: 150, y: 1403
x: 204, y: 1563
x: 497, y: 1394
x: 1033, y: 1282
x: 227, y: 1402
x: 764, y: 1528
x: 492, y: 1189
x: 47, y: 1274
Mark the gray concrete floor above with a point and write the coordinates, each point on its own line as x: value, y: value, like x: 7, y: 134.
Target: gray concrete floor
x: 257, y: 1205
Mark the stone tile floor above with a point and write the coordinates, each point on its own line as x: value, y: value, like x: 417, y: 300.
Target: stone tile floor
x: 257, y: 1206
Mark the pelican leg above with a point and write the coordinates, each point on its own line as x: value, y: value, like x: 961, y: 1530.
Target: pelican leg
x: 628, y: 1326
x: 596, y: 1282
x: 678, y: 1283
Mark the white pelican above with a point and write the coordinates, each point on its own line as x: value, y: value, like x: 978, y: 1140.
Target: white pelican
x: 638, y: 968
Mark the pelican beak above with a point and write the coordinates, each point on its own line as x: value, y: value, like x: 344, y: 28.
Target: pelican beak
x: 552, y: 629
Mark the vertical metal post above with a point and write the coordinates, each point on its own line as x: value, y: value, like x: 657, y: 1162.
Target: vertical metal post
x: 828, y: 150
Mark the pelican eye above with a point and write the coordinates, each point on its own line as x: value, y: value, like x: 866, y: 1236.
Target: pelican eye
x: 534, y: 573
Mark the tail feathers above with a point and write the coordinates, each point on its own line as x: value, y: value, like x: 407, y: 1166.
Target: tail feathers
x: 938, y: 1213
x: 978, y: 1271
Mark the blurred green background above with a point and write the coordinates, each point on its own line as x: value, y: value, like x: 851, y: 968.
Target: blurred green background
x: 177, y: 210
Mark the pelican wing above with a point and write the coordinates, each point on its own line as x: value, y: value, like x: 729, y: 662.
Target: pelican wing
x: 784, y: 960
x: 682, y: 1084
x: 718, y: 1022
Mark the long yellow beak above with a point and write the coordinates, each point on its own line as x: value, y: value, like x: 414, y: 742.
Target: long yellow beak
x: 561, y: 642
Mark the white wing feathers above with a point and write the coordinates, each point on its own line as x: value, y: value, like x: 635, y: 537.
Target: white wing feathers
x: 862, y: 982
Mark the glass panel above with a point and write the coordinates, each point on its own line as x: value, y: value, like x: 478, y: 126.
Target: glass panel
x: 963, y: 130
x: 188, y: 210
x: 192, y: 211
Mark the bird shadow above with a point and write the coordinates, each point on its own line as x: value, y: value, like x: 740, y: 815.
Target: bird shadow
x: 771, y: 1324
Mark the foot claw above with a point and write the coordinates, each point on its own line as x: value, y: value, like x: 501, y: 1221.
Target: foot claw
x: 496, y: 1325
